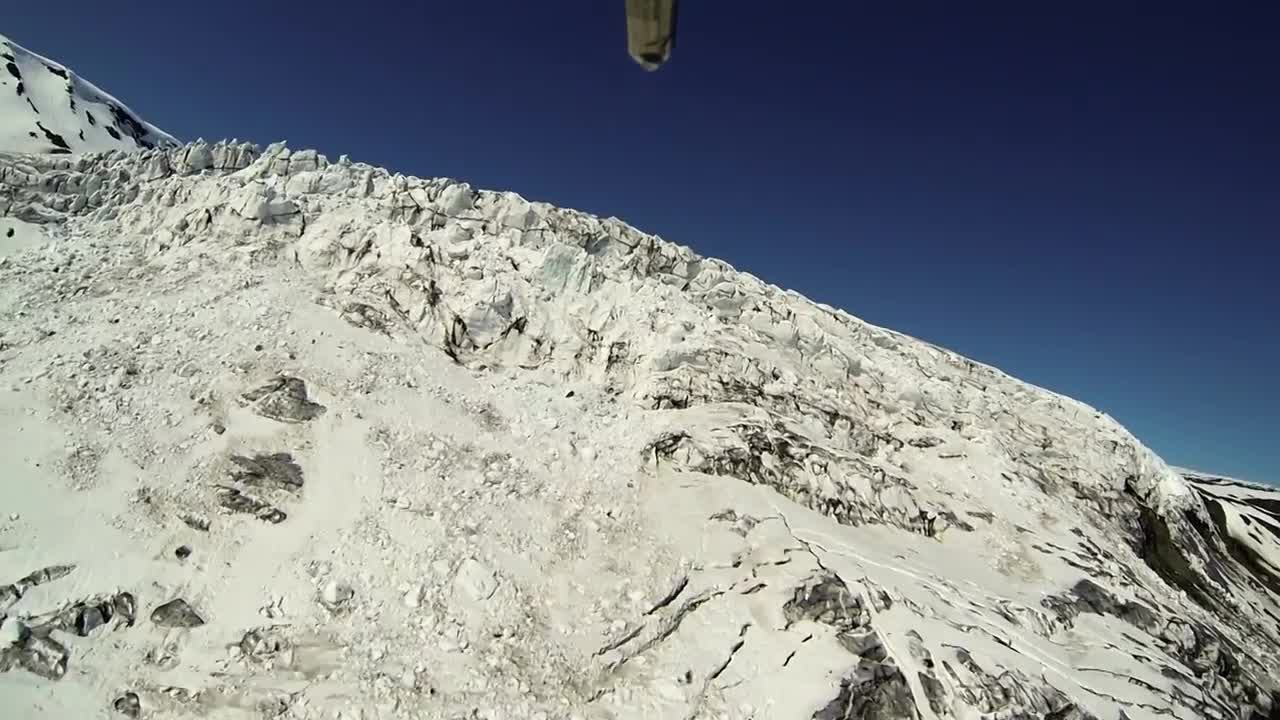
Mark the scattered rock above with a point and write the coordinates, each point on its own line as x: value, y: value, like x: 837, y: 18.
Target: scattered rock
x: 284, y: 398
x: 126, y: 607
x: 37, y: 653
x: 871, y: 695
x: 277, y: 470
x: 233, y: 500
x: 176, y: 613
x: 263, y: 644
x: 91, y: 618
x: 128, y: 704
x: 182, y: 552
x: 80, y: 618
x: 44, y: 575
x: 825, y: 599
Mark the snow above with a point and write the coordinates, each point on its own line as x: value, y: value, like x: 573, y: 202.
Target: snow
x: 47, y: 108
x: 440, y: 452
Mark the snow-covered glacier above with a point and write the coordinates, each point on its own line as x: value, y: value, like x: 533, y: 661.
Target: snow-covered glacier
x: 287, y: 437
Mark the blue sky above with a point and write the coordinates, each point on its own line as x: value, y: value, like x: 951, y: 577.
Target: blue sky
x: 1086, y: 196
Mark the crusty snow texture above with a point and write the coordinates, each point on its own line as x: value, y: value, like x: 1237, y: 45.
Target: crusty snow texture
x: 47, y: 108
x: 292, y: 438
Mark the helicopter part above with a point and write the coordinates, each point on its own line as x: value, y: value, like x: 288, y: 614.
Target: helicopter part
x: 651, y: 31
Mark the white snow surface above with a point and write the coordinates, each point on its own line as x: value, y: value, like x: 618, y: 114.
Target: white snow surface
x: 47, y: 108
x: 291, y: 438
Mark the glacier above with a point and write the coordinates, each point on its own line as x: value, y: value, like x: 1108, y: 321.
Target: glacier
x: 300, y: 438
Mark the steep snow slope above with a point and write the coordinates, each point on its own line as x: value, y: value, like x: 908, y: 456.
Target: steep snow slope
x: 294, y: 438
x: 46, y: 108
x: 1248, y: 517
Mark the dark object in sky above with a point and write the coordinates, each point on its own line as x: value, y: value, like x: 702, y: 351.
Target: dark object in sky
x: 651, y: 31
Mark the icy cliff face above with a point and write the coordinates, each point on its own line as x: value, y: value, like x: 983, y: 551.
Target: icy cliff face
x: 47, y: 108
x: 413, y: 449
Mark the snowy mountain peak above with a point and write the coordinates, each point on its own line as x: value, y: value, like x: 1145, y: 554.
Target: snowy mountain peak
x: 46, y: 108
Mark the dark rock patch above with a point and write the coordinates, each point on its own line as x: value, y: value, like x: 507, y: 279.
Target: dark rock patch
x: 1003, y: 692
x: 825, y: 599
x: 37, y: 653
x: 233, y: 500
x: 53, y: 137
x: 1089, y: 597
x: 284, y: 398
x: 934, y: 692
x: 1242, y: 553
x: 83, y: 618
x: 11, y: 593
x: 126, y: 606
x: 1163, y: 553
x: 276, y: 471
x: 770, y: 454
x: 873, y: 692
x: 129, y: 125
x: 1269, y: 505
x: 176, y: 613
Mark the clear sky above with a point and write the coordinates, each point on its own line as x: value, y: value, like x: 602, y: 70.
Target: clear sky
x: 1086, y: 196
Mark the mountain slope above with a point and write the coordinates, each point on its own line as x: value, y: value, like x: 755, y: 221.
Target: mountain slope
x: 46, y: 108
x: 515, y: 459
x: 293, y: 438
x: 1247, y: 516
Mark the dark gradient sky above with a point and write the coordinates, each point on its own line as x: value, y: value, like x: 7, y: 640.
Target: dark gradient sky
x: 1086, y: 196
